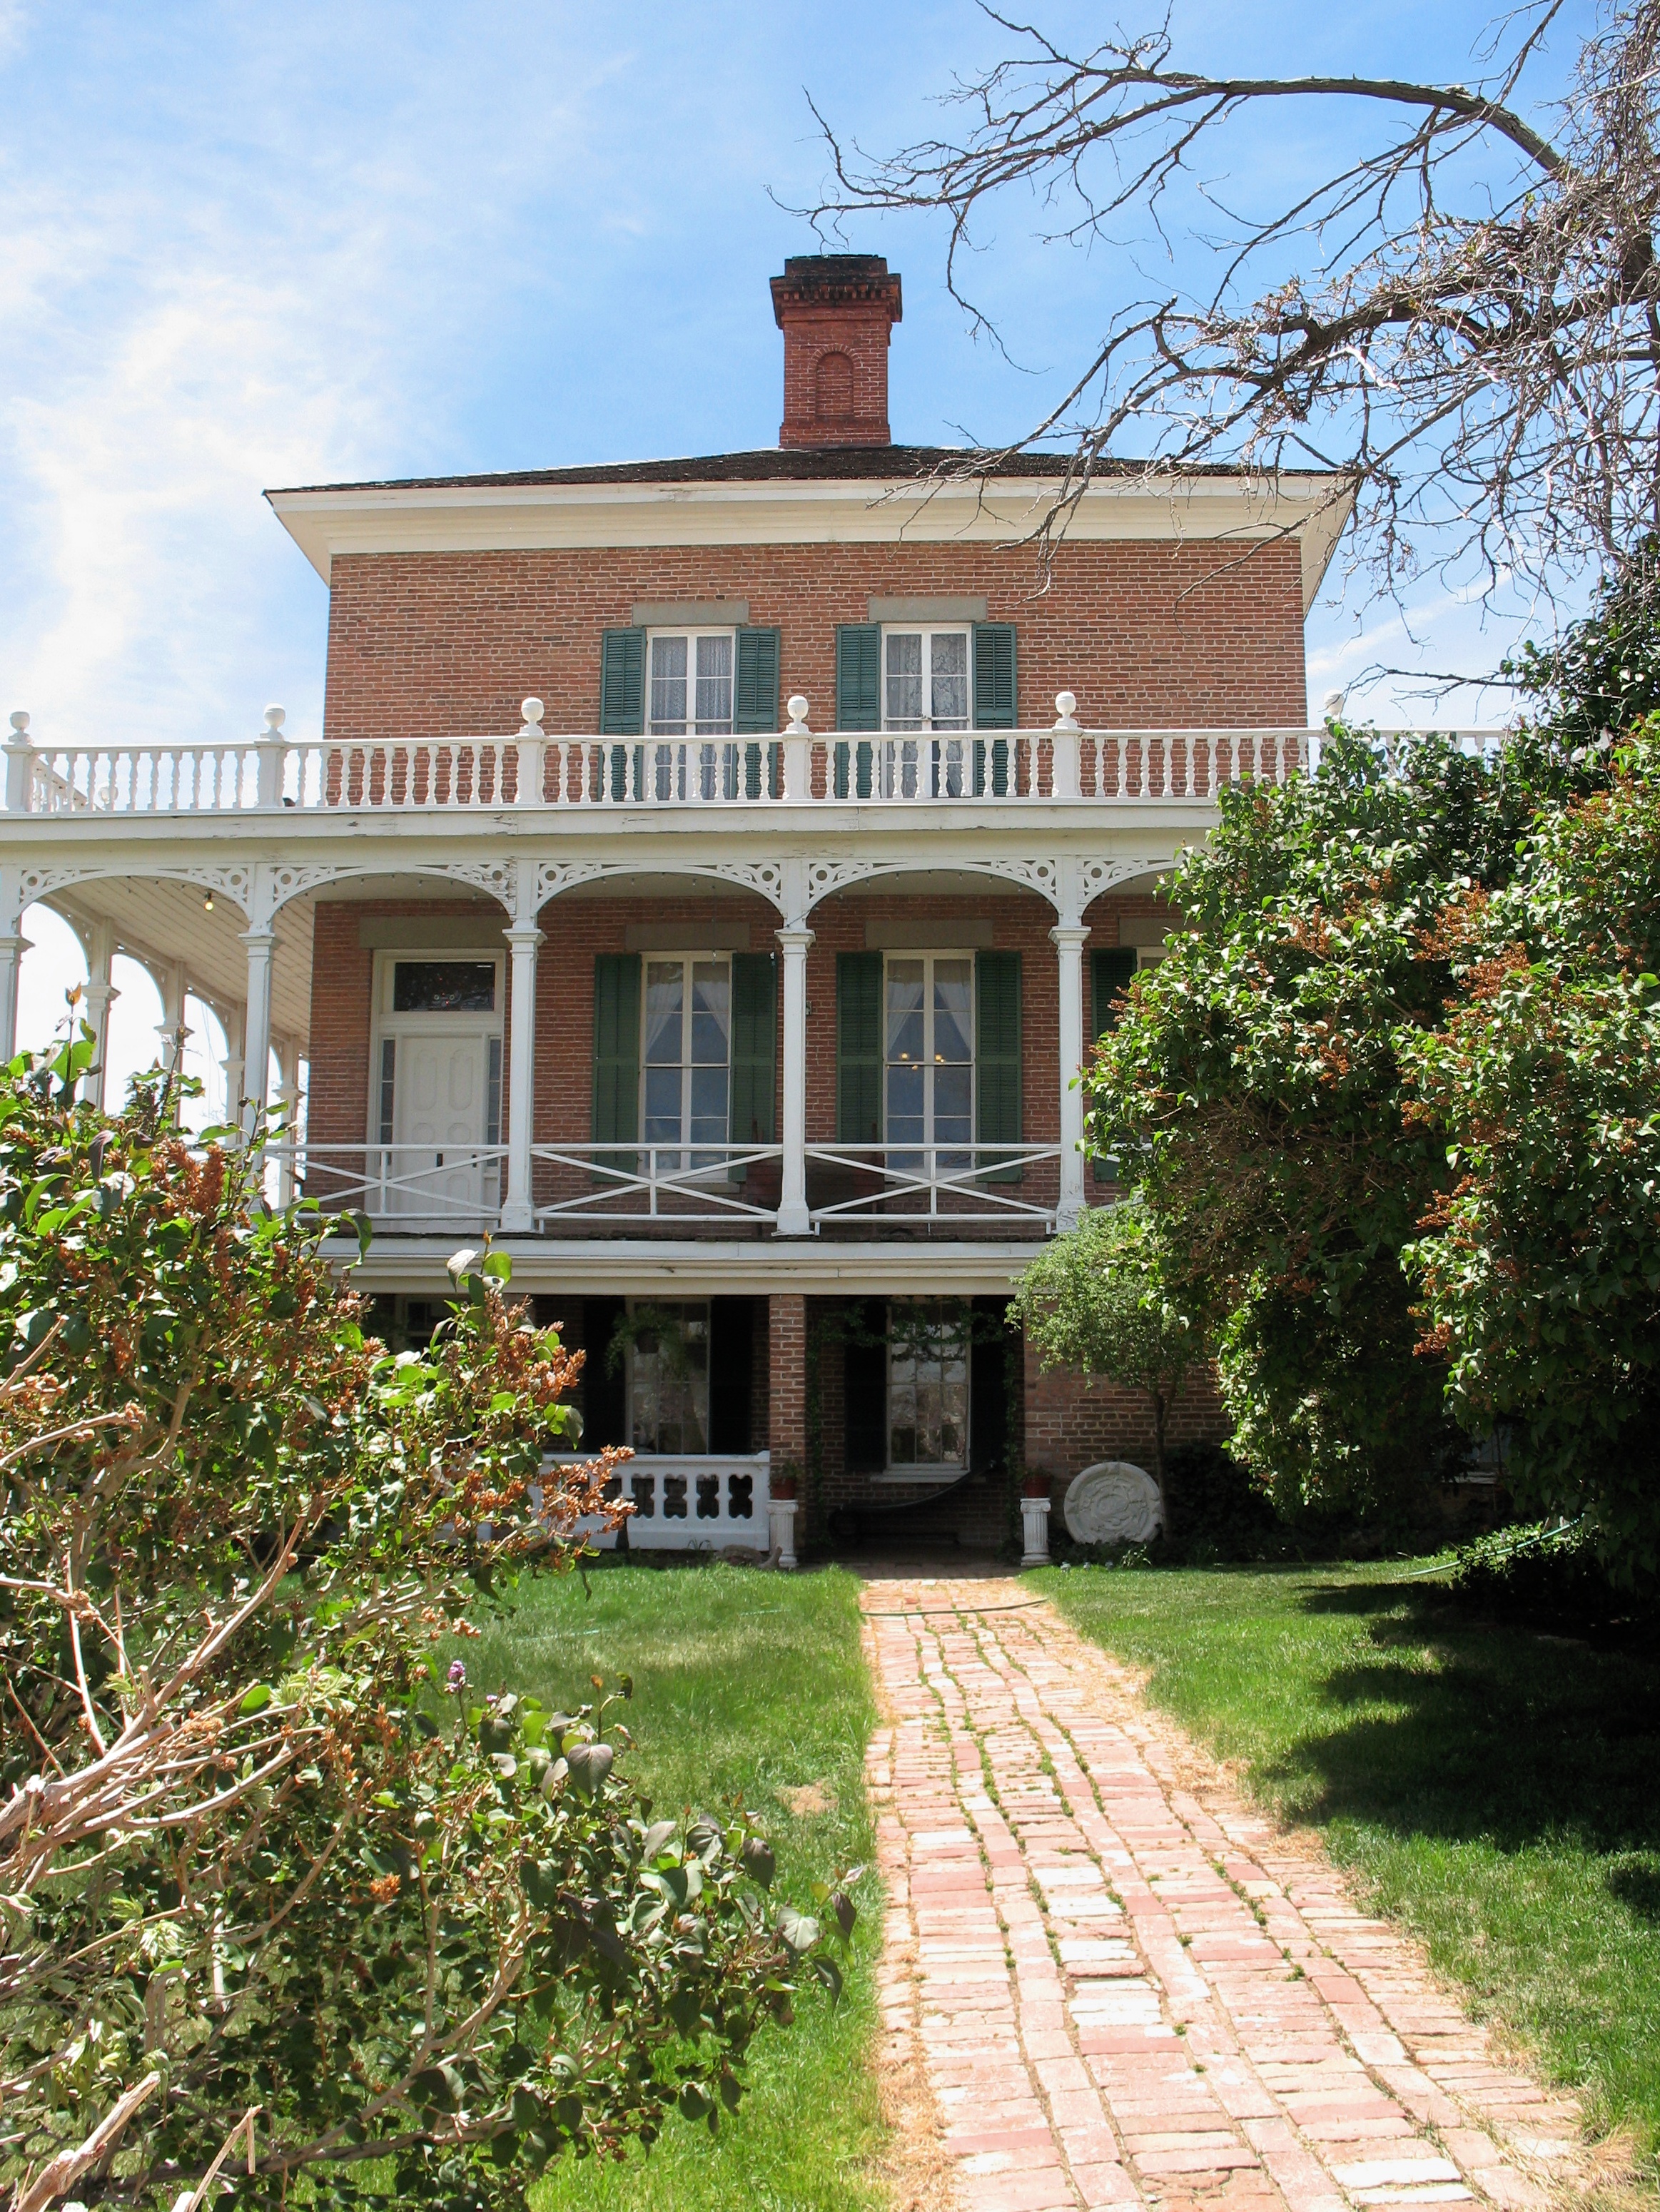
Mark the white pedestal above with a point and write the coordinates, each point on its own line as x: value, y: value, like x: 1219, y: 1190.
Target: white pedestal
x: 781, y: 1517
x: 1035, y: 1522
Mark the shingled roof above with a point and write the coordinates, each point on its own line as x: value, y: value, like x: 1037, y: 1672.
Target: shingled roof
x: 771, y: 465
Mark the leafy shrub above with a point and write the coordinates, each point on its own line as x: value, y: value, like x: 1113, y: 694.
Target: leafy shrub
x: 1549, y: 1573
x: 265, y: 1872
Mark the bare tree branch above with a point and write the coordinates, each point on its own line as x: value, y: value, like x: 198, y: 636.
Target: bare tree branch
x: 1468, y: 341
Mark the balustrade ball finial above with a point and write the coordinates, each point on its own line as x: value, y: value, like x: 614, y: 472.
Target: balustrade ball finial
x: 532, y: 710
x: 275, y: 718
x: 20, y: 722
x: 1066, y: 706
x: 798, y: 722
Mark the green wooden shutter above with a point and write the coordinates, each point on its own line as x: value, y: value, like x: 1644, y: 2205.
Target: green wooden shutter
x: 858, y: 1048
x: 994, y: 689
x: 616, y: 1054
x: 754, y: 1049
x: 859, y: 676
x: 755, y: 702
x: 621, y: 702
x: 621, y: 682
x: 858, y: 703
x: 997, y: 1056
x: 1111, y: 971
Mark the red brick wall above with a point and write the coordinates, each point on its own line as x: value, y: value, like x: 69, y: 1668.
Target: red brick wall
x: 441, y: 644
x: 786, y: 1371
x: 1072, y: 1421
x: 575, y: 929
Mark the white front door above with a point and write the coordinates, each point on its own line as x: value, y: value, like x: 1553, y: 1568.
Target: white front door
x: 440, y: 1104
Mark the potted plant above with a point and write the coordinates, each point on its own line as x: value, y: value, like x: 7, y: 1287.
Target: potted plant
x: 782, y: 1491
x: 1035, y: 1517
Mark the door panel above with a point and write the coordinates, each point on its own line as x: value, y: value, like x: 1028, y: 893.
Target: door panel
x: 438, y: 1108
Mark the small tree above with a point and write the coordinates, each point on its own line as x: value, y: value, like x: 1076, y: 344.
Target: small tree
x: 1095, y: 1299
x: 271, y: 1867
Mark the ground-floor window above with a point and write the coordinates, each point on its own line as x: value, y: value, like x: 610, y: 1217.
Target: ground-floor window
x: 927, y: 1383
x: 668, y: 1369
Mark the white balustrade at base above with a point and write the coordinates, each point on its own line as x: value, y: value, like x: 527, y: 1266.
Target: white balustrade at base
x: 1035, y: 1530
x: 693, y: 1503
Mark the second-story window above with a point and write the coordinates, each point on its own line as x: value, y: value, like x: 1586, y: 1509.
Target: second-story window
x: 686, y: 1061
x: 925, y: 679
x: 929, y: 1072
x: 691, y: 687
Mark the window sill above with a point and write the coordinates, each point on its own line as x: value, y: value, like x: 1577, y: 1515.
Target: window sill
x: 910, y: 1478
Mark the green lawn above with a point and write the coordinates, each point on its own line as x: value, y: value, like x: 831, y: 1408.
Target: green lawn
x: 744, y: 1683
x: 1498, y: 1790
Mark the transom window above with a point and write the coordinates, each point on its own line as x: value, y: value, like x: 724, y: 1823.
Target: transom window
x: 927, y: 1383
x: 669, y: 1377
x: 925, y: 679
x: 929, y: 1054
x: 443, y: 987
x: 690, y: 684
x: 686, y: 1058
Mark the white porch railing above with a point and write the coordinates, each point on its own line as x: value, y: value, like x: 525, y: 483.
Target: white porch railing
x: 398, y: 1185
x: 583, y: 774
x: 695, y: 1503
x: 656, y: 1182
x: 955, y: 1183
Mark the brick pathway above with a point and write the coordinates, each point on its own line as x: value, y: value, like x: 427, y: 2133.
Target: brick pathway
x: 1121, y: 1996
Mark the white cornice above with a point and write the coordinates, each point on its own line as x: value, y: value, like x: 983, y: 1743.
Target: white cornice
x: 493, y: 518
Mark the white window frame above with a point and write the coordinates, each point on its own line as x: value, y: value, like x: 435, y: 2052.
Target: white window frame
x: 928, y: 632
x: 683, y: 1154
x: 916, y: 1473
x: 928, y: 954
x: 695, y: 764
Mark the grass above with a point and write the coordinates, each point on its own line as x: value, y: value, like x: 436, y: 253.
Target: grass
x: 745, y: 1684
x: 1498, y: 1790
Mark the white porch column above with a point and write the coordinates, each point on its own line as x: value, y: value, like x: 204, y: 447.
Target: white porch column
x: 523, y: 939
x: 288, y: 1095
x: 256, y: 1033
x: 13, y: 945
x: 792, y: 1220
x: 1069, y: 940
x: 101, y: 995
x: 234, y: 1020
x: 171, y: 981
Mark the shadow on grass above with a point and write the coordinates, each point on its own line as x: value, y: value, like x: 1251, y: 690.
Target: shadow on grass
x: 1460, y: 1729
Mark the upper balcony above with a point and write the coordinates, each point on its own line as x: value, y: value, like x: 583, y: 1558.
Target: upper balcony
x: 587, y: 782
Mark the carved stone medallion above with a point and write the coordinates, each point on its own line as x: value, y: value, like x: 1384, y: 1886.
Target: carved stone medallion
x: 1113, y: 1502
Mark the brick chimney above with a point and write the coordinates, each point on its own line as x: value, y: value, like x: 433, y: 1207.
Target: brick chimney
x: 836, y: 311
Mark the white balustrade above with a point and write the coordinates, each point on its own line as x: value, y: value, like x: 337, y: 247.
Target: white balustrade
x: 1068, y: 762
x: 698, y: 1503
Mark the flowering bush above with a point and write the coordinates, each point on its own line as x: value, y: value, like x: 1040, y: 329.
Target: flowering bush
x: 280, y: 1898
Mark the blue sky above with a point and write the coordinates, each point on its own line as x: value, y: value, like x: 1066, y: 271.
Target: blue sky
x: 263, y: 243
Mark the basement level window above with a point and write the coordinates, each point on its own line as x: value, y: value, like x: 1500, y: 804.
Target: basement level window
x: 927, y: 1384
x: 444, y: 987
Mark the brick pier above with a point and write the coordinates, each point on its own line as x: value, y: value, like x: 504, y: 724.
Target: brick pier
x: 1121, y: 1996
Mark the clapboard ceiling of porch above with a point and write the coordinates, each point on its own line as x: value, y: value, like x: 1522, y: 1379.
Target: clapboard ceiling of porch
x: 163, y: 922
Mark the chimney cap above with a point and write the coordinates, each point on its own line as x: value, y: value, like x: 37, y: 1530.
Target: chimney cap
x: 827, y: 279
